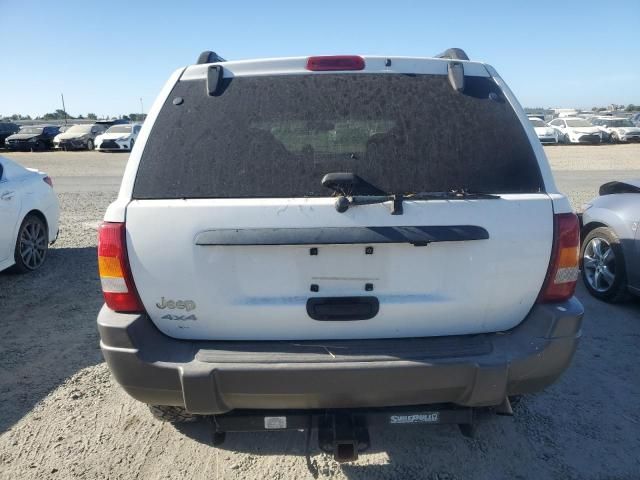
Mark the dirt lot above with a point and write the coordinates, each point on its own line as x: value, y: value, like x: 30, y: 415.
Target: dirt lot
x: 62, y: 416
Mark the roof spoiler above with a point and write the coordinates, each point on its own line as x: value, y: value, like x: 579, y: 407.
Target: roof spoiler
x: 209, y: 57
x: 453, y: 54
x: 450, y: 53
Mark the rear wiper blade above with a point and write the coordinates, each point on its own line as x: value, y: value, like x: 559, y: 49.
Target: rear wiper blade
x: 344, y: 202
x: 460, y: 193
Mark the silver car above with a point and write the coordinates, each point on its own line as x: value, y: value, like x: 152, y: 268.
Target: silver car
x: 610, y: 254
x: 81, y: 136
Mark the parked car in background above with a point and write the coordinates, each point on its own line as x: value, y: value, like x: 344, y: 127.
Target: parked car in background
x: 34, y: 138
x: 7, y: 129
x: 81, y: 136
x: 118, y: 137
x: 545, y: 133
x: 576, y: 130
x: 328, y: 246
x: 110, y: 123
x: 610, y: 254
x: 635, y: 119
x: 617, y: 129
x: 28, y: 216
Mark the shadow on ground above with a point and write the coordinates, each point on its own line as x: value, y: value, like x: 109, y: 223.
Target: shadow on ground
x: 48, y: 328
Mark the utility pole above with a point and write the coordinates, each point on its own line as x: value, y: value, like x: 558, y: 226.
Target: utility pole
x: 141, y: 110
x: 64, y: 109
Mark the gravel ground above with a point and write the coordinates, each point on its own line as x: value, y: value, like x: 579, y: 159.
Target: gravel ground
x: 62, y: 416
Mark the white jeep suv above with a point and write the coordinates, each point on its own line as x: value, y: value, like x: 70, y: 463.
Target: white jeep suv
x: 337, y: 237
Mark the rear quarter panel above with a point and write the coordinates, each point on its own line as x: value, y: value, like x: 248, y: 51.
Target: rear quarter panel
x: 37, y: 195
x: 621, y: 213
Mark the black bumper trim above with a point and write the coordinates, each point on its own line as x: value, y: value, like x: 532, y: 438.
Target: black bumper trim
x: 157, y: 369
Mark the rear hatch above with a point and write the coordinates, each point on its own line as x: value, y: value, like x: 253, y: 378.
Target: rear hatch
x: 232, y: 235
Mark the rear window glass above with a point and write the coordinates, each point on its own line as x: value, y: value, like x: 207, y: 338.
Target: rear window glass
x: 278, y: 136
x: 32, y: 130
x: 120, y: 129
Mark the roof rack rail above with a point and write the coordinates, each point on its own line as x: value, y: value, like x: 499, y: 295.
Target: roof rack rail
x: 453, y: 54
x: 209, y: 57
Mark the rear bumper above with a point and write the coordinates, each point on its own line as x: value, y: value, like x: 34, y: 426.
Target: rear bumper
x: 217, y: 377
x: 22, y: 146
x: 70, y: 145
x: 112, y: 145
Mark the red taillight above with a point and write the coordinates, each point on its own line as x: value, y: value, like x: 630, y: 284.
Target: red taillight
x: 335, y: 63
x: 48, y: 181
x: 115, y: 275
x: 562, y: 275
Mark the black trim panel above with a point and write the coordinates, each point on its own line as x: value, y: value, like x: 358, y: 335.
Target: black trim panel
x: 342, y: 308
x: 342, y: 235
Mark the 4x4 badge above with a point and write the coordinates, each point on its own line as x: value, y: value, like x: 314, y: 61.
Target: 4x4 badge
x: 179, y: 318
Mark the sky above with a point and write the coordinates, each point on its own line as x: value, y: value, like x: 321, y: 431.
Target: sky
x: 107, y: 55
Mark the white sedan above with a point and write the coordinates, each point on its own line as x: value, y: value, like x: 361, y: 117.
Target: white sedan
x: 576, y: 130
x: 545, y: 133
x: 119, y: 137
x: 29, y: 214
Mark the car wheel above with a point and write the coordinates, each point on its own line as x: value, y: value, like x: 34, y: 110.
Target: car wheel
x: 38, y: 147
x: 603, y: 269
x: 614, y: 138
x: 131, y: 144
x: 172, y: 414
x: 565, y: 139
x: 31, y: 245
x: 89, y: 144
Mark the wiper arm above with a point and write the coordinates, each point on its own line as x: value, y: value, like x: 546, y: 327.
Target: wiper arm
x: 343, y: 202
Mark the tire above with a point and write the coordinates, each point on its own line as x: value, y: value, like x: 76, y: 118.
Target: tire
x: 566, y: 140
x: 166, y: 413
x: 602, y: 266
x: 614, y: 138
x: 90, y: 144
x: 32, y: 244
x: 38, y: 147
x: 131, y: 143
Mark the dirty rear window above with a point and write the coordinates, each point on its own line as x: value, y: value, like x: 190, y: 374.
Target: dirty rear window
x: 277, y: 136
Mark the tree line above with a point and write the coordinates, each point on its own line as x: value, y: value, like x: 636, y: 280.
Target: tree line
x: 60, y: 114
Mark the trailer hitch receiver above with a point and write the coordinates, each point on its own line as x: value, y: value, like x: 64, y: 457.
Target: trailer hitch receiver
x: 343, y: 435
